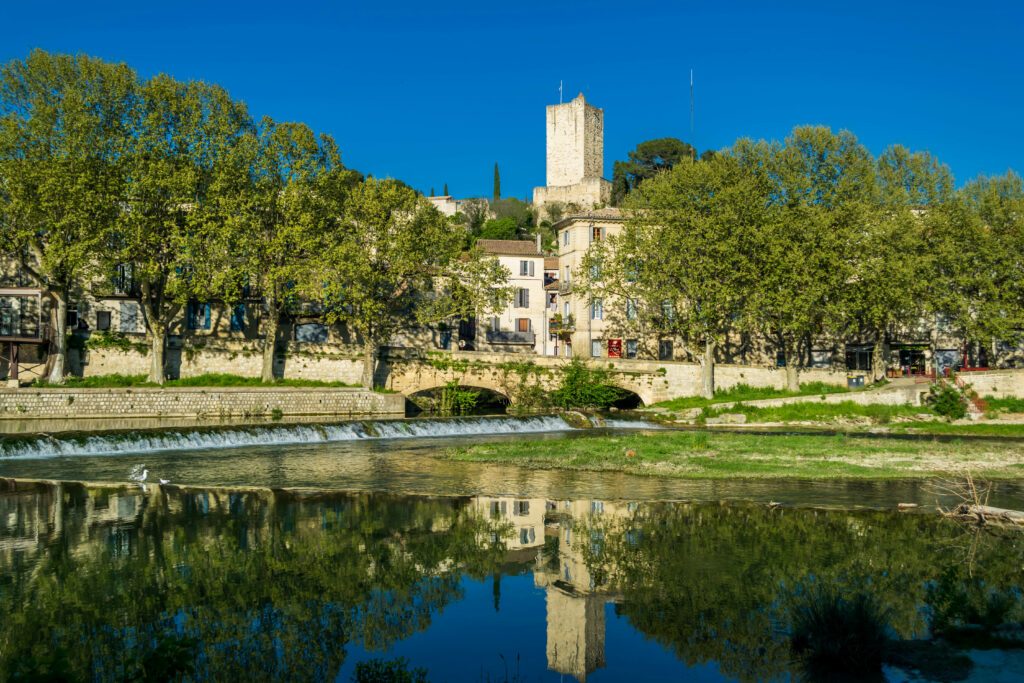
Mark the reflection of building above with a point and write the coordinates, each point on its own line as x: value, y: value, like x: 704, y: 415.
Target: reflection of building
x: 525, y: 515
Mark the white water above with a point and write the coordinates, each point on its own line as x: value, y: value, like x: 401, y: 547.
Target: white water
x: 144, y: 442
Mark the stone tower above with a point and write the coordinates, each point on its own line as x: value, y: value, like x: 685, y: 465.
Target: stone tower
x: 575, y: 157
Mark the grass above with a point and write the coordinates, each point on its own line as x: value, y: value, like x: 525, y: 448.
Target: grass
x: 721, y: 455
x: 745, y: 392
x: 1004, y: 405
x: 812, y: 411
x: 216, y: 379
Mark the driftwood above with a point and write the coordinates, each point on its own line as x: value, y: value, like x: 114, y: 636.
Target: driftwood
x: 986, y: 514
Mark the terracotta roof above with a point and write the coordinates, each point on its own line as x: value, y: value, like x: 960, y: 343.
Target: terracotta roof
x: 509, y: 247
x: 608, y: 213
x: 551, y: 263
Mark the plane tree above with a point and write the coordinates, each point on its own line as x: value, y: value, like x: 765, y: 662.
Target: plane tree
x: 394, y: 265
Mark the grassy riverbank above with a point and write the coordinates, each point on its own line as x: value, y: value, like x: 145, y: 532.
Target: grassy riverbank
x: 718, y: 455
x: 745, y: 392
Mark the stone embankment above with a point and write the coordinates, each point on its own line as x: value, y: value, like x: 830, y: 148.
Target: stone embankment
x: 891, y: 396
x: 197, y: 402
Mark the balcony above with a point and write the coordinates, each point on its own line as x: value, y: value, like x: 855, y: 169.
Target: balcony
x: 564, y: 287
x: 510, y: 337
x: 557, y: 324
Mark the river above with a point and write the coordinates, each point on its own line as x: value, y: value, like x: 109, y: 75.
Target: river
x: 299, y: 552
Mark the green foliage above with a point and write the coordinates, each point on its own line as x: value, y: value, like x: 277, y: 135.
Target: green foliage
x: 745, y: 392
x: 454, y: 400
x: 115, y: 341
x: 947, y: 400
x: 499, y: 229
x: 388, y: 671
x: 837, y: 634
x: 646, y: 161
x: 1008, y: 405
x: 584, y: 386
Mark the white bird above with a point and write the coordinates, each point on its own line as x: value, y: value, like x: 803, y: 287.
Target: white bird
x: 165, y: 481
x: 138, y: 473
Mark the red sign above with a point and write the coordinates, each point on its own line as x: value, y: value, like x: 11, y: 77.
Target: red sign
x: 615, y: 348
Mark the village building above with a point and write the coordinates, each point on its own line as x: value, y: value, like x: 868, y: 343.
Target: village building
x: 521, y: 327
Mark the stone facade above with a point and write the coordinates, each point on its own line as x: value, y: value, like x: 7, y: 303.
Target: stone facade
x: 196, y: 402
x: 521, y: 326
x: 575, y: 157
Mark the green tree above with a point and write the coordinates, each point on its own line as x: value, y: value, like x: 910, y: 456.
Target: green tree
x: 183, y: 133
x: 282, y: 188
x: 395, y: 265
x: 647, y: 160
x: 499, y: 229
x: 62, y: 132
x: 684, y: 262
x: 823, y: 188
x: 446, y: 189
x: 496, y: 195
x: 517, y: 210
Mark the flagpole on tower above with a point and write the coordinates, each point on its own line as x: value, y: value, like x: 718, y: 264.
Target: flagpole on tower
x: 559, y: 91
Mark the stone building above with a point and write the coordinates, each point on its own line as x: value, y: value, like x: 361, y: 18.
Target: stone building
x: 522, y: 326
x: 575, y: 158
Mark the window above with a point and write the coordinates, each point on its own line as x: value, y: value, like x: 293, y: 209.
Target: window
x: 595, y: 271
x: 521, y: 508
x: 565, y: 237
x: 633, y: 271
x: 311, y: 333
x: 497, y: 509
x: 632, y: 347
x: 596, y: 507
x: 197, y: 316
x: 103, y: 320
x: 131, y: 320
x: 238, y: 318
x: 630, y: 309
x: 596, y: 310
x: 522, y: 298
x: 668, y: 310
x: 495, y: 324
x: 523, y: 324
x: 595, y: 348
x: 665, y: 350
x: 596, y: 233
x: 526, y: 268
x: 72, y: 317
x: 565, y: 310
x: 527, y: 535
x: 567, y: 278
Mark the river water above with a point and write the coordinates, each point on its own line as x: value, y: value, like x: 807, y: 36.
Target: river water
x: 303, y: 552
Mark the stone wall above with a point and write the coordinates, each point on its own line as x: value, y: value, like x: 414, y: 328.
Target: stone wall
x: 575, y: 142
x: 20, y: 404
x: 897, y: 396
x: 996, y: 383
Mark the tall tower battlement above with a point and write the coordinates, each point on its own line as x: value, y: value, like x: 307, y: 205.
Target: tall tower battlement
x: 575, y: 142
x: 575, y: 158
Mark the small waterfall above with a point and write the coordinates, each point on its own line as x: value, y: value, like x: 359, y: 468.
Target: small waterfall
x: 277, y: 435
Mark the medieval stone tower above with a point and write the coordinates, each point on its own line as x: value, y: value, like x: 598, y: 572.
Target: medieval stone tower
x: 575, y: 157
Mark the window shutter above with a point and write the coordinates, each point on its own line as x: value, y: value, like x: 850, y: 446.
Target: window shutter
x: 532, y: 266
x: 206, y: 316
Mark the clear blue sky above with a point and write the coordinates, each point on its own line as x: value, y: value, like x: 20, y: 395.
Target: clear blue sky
x: 434, y: 92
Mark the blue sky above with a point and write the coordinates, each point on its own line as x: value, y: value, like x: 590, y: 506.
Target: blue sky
x: 436, y: 92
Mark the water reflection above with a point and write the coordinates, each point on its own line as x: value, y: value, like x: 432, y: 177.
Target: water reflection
x: 110, y: 583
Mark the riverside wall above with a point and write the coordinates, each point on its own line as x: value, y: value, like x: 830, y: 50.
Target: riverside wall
x: 996, y: 383
x: 196, y: 402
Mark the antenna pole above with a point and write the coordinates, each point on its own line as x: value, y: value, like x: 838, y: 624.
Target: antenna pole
x: 559, y: 91
x: 691, y: 116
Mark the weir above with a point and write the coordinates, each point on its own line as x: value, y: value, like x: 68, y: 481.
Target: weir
x: 141, y: 441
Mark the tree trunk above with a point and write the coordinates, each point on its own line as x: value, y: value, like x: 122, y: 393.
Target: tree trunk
x: 59, y: 349
x: 792, y: 368
x: 707, y: 370
x: 270, y: 345
x: 879, y: 358
x: 156, y: 355
x: 369, y: 363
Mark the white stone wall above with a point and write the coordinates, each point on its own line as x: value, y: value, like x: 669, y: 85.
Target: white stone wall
x: 535, y: 312
x: 996, y: 383
x: 588, y: 193
x: 195, y: 402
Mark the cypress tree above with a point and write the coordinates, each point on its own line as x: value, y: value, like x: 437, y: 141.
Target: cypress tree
x: 497, y: 183
x: 446, y: 189
x: 432, y: 192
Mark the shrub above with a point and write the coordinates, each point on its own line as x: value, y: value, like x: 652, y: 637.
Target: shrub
x: 585, y: 387
x: 834, y: 635
x: 946, y: 400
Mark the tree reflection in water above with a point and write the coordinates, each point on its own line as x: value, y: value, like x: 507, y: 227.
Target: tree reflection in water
x: 108, y: 584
